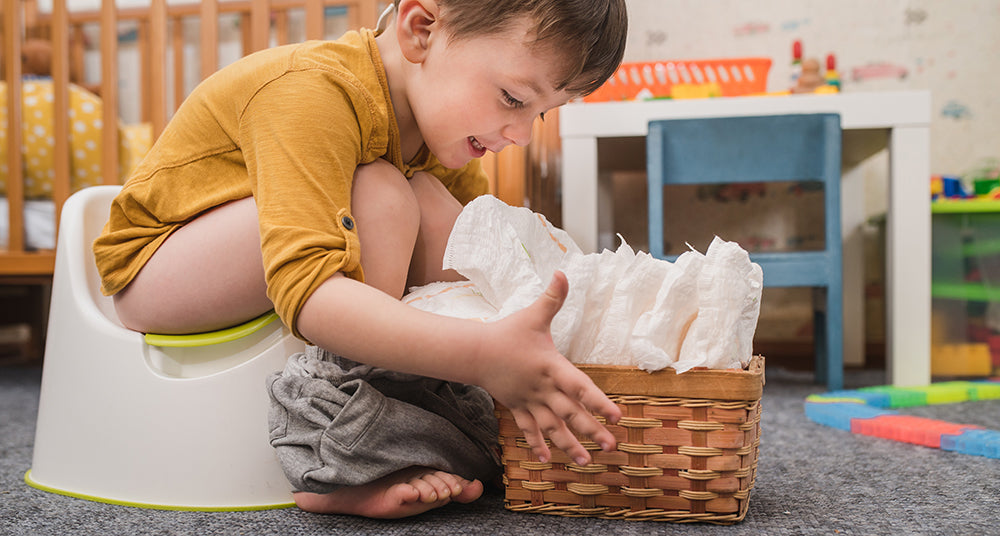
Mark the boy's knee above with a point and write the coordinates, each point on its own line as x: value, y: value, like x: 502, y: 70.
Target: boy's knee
x: 381, y: 187
x: 379, y: 175
x: 438, y: 207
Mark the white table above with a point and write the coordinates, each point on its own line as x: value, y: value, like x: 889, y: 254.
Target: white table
x: 903, y: 115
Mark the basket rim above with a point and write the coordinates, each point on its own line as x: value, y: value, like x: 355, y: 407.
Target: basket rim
x: 711, y: 384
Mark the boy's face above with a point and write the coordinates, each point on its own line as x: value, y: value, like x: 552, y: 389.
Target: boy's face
x: 481, y: 94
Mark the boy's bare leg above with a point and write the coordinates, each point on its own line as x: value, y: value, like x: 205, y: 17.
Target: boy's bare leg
x: 387, y: 212
x: 439, y: 210
x: 403, y: 226
x: 406, y: 250
x: 209, y: 274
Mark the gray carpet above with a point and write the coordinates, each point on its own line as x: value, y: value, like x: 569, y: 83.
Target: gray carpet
x: 811, y: 480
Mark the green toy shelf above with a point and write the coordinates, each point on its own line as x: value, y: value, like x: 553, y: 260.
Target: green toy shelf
x: 965, y: 206
x: 965, y: 291
x: 966, y: 236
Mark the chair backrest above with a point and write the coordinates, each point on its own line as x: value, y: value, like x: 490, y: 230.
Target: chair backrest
x: 83, y: 218
x: 745, y: 149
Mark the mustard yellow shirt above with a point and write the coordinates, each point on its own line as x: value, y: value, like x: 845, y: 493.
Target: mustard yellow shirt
x: 288, y: 125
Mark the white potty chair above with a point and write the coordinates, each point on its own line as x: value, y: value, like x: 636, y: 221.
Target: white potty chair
x: 181, y: 426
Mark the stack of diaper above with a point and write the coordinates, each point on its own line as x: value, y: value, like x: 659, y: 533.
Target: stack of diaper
x: 623, y: 307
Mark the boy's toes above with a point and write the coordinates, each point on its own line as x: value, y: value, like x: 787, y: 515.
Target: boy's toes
x: 427, y: 492
x: 441, y: 487
x: 443, y: 483
x: 405, y: 492
x: 471, y: 490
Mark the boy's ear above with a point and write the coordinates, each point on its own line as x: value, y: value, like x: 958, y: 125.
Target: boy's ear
x: 416, y: 22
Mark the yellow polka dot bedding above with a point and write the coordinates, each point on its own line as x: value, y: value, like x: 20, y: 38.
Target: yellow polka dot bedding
x: 85, y: 142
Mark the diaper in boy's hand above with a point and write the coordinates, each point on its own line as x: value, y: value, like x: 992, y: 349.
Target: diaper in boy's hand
x: 623, y: 307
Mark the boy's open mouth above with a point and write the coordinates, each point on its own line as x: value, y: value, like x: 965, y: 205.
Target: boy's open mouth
x: 475, y: 144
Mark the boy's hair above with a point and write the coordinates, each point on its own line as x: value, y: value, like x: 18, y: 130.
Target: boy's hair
x: 589, y: 35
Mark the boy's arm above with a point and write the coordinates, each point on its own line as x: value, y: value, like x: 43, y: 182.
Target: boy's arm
x: 514, y: 358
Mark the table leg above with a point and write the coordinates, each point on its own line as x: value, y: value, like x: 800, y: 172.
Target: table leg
x: 908, y: 258
x: 579, y: 191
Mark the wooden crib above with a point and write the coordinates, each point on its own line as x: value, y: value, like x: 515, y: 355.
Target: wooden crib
x: 172, y: 47
x: 162, y: 53
x: 165, y: 53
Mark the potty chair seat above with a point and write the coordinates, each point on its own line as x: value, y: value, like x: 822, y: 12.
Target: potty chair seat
x: 168, y: 422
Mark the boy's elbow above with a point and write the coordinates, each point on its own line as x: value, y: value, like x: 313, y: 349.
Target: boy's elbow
x: 323, y: 308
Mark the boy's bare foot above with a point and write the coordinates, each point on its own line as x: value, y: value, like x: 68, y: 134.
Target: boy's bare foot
x: 405, y: 493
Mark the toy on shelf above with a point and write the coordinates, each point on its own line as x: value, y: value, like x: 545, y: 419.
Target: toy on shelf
x: 796, y: 62
x: 686, y: 79
x: 961, y: 359
x: 948, y: 187
x: 985, y: 179
x: 832, y: 76
x: 807, y: 76
x: 868, y: 411
x: 980, y: 183
x: 810, y: 80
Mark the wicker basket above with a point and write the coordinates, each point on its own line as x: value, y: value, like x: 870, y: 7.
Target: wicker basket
x: 687, y: 450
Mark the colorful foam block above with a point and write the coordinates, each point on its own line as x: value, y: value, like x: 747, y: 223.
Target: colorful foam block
x: 907, y: 428
x: 900, y: 397
x: 976, y: 442
x: 865, y: 411
x: 903, y: 397
x: 870, y: 398
x: 985, y: 390
x: 841, y: 414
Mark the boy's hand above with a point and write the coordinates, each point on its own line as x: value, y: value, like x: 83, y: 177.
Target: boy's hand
x: 547, y: 395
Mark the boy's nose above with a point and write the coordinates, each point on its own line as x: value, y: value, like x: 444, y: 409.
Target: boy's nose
x: 519, y: 132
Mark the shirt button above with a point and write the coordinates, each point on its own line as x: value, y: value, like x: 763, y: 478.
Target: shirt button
x: 347, y: 222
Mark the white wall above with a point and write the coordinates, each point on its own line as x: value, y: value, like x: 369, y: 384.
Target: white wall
x: 951, y: 47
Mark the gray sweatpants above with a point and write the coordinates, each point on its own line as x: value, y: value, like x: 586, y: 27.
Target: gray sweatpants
x: 335, y: 423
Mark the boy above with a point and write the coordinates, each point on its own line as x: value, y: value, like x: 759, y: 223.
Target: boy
x: 323, y: 179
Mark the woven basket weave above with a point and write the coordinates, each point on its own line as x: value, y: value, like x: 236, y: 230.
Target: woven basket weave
x: 687, y: 450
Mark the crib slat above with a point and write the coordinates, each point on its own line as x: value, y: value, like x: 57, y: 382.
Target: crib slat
x: 177, y: 47
x: 281, y: 27
x: 362, y: 13
x: 13, y: 21
x: 157, y: 65
x: 77, y: 44
x: 60, y: 106
x: 142, y: 44
x: 209, y: 37
x: 315, y: 26
x: 109, y: 91
x: 29, y: 15
x: 260, y: 25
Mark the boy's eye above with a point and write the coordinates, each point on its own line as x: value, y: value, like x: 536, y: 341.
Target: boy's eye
x: 511, y: 101
x: 542, y: 115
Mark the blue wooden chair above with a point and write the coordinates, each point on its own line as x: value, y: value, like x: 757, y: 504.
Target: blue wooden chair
x: 774, y: 148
